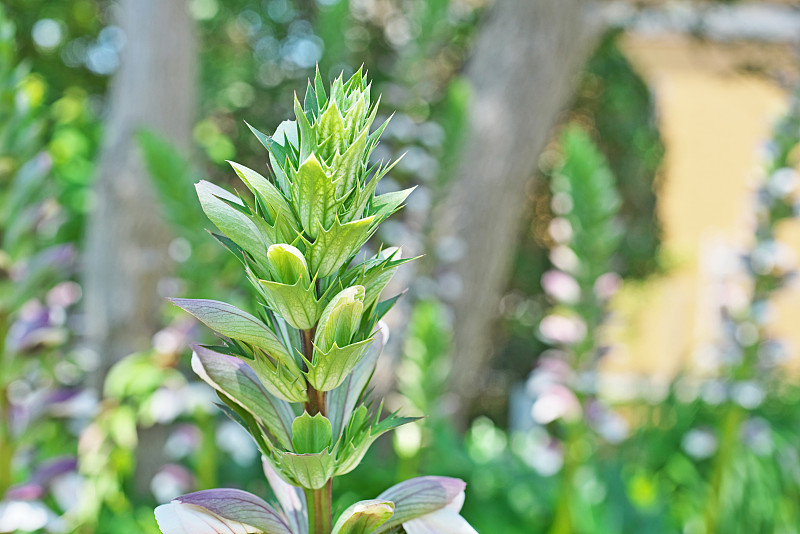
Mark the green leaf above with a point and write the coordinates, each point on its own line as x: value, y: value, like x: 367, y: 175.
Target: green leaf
x: 343, y: 399
x: 282, y: 381
x: 335, y: 247
x: 232, y: 247
x: 366, y: 191
x: 278, y: 145
x: 374, y: 274
x: 314, y: 196
x: 319, y: 87
x: 329, y: 369
x: 296, y: 303
x: 279, y: 151
x: 279, y: 211
x: 236, y: 225
x: 337, y: 92
x: 355, y: 116
x: 310, y: 104
x: 311, y: 471
x: 374, y: 137
x: 380, y: 309
x: 330, y: 130
x: 356, y: 82
x: 364, y: 517
x: 274, y: 365
x: 234, y: 323
x: 246, y: 420
x: 311, y: 434
x: 308, y: 142
x: 384, y: 205
x: 239, y: 383
x: 360, y: 434
x: 346, y: 168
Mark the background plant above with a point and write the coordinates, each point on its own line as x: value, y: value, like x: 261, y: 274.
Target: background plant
x: 564, y: 386
x: 38, y: 379
x: 616, y: 109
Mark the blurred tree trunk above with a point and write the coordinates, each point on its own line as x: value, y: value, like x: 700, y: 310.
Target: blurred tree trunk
x: 126, y: 243
x: 523, y: 70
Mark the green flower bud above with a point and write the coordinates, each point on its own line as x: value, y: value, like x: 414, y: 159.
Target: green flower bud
x: 340, y: 319
x: 288, y: 265
x: 291, y: 294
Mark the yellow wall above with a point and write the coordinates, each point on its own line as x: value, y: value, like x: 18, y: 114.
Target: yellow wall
x: 714, y: 117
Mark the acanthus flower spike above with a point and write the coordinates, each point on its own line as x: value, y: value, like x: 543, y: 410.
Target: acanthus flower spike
x: 294, y: 372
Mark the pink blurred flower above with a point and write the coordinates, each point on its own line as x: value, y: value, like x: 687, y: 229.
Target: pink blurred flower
x: 607, y: 285
x: 561, y: 286
x: 562, y: 329
x: 556, y: 402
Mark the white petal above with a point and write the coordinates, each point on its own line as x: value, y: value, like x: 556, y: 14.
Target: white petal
x: 23, y: 515
x: 180, y: 518
x: 444, y: 521
x: 456, y: 503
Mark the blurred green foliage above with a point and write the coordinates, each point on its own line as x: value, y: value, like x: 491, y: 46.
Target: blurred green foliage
x: 55, y: 40
x: 617, y: 107
x: 54, y: 72
x: 37, y: 375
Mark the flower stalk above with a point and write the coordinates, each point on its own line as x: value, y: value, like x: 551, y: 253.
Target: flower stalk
x: 586, y: 235
x: 319, y: 508
x: 295, y: 372
x: 6, y: 441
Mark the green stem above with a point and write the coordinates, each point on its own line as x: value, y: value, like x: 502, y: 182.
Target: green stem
x: 6, y: 439
x: 320, y: 517
x: 6, y: 444
x: 713, y: 507
x: 562, y: 521
x: 316, y: 399
x: 320, y: 520
x: 206, y: 455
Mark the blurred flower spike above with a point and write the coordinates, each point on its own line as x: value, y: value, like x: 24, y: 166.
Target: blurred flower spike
x: 295, y: 373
